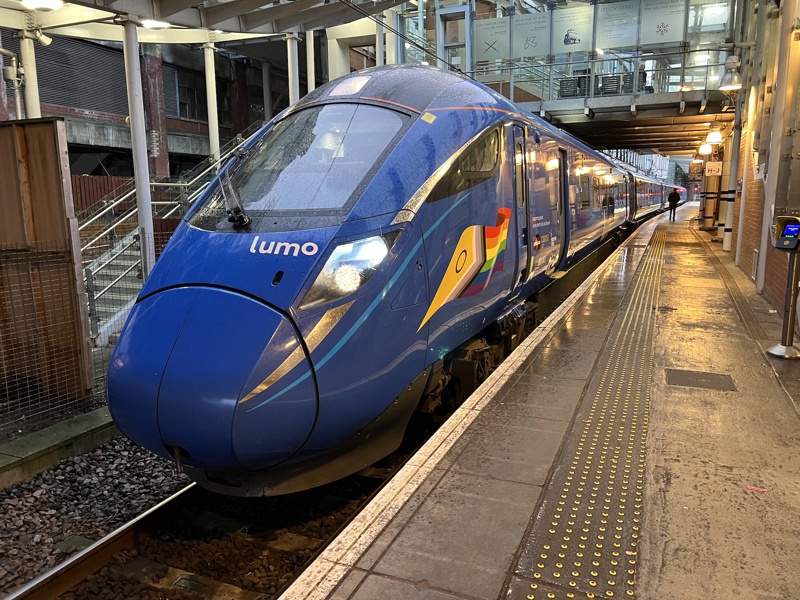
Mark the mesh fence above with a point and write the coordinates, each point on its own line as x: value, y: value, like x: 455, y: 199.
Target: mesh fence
x: 45, y: 357
x: 53, y: 367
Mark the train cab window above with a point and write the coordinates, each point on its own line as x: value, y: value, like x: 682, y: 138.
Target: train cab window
x: 310, y: 163
x: 479, y: 163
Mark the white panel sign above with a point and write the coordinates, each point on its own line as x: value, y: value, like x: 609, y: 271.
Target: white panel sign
x: 713, y: 169
x: 662, y: 21
x: 491, y: 39
x: 572, y: 29
x: 617, y: 24
x: 531, y: 35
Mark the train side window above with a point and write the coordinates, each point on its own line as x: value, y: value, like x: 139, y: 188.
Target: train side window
x: 479, y: 163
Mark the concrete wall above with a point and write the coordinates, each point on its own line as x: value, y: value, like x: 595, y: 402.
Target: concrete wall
x: 359, y: 33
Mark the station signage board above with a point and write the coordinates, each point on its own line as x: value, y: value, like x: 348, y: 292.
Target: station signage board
x: 713, y: 168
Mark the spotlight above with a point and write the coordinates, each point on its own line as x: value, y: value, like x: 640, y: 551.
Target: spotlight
x: 44, y: 40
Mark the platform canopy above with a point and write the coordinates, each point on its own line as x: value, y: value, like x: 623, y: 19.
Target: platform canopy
x: 188, y: 21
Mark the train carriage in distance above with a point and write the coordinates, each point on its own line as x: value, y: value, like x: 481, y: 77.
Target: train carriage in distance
x: 371, y: 254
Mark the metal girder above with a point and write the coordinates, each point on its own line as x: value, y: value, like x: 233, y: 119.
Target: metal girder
x: 222, y: 12
x: 170, y: 7
x: 274, y: 13
x: 346, y: 17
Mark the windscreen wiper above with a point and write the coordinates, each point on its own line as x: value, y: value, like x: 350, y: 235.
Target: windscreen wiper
x: 236, y: 214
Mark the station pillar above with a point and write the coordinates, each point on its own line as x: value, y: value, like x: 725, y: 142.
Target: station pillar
x: 141, y: 170
x: 33, y: 109
x: 211, y: 100
x: 311, y: 75
x: 294, y: 75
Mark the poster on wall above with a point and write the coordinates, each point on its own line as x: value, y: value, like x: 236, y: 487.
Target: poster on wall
x: 531, y: 35
x: 662, y: 21
x: 617, y: 24
x: 572, y: 29
x: 491, y: 39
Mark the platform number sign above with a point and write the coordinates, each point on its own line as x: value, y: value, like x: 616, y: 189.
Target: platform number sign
x: 713, y: 169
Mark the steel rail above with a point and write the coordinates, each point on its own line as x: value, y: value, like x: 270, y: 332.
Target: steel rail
x: 75, y: 569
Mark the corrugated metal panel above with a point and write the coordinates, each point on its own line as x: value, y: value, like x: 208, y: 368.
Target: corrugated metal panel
x: 78, y: 74
x: 171, y: 91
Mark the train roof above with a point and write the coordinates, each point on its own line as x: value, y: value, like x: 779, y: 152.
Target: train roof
x: 419, y: 88
x: 411, y: 87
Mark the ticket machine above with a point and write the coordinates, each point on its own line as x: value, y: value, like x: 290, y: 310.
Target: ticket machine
x: 787, y: 239
x: 787, y: 234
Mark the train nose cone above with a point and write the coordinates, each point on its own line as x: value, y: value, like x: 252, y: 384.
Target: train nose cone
x: 206, y: 398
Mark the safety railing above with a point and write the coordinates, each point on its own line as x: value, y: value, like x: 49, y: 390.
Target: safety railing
x: 590, y: 76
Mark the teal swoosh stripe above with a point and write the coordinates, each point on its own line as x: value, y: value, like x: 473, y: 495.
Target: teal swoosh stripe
x: 367, y: 312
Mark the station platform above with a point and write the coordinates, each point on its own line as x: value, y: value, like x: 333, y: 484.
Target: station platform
x: 639, y: 444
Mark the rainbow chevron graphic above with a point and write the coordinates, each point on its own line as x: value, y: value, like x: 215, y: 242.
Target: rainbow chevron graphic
x: 479, y: 253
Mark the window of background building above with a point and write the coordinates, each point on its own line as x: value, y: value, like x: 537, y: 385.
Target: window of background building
x: 192, y: 96
x: 255, y: 102
x: 224, y: 102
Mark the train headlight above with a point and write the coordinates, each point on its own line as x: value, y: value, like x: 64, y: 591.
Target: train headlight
x: 349, y: 267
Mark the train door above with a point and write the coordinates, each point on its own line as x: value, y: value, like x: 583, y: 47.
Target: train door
x: 546, y: 207
x: 521, y: 207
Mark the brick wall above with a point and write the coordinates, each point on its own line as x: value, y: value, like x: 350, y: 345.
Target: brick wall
x: 520, y: 95
x: 359, y: 61
x: 777, y: 263
x: 87, y: 190
x: 751, y: 228
x: 155, y: 113
x: 776, y: 275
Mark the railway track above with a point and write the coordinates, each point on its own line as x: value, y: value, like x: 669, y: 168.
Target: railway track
x: 199, y: 545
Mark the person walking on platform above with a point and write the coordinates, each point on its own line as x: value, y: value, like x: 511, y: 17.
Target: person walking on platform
x: 673, y: 199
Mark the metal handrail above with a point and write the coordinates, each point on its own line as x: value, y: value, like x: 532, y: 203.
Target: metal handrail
x: 109, y: 229
x: 108, y: 262
x: 122, y: 198
x: 117, y: 280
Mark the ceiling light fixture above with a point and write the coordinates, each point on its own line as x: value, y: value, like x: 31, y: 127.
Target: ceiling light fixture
x: 42, y: 5
x: 731, y: 80
x: 705, y: 149
x: 714, y: 137
x: 153, y: 24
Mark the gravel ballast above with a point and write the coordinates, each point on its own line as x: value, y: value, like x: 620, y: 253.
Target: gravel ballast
x: 87, y: 496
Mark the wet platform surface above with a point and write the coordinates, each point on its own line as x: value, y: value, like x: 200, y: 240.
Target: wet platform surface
x: 640, y: 444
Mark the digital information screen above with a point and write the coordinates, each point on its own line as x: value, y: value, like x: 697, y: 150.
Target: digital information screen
x: 791, y: 230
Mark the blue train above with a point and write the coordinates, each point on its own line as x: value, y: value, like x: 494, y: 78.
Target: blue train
x: 372, y: 253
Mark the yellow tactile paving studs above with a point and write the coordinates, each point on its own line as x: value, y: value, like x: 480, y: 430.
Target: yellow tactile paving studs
x: 584, y: 541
